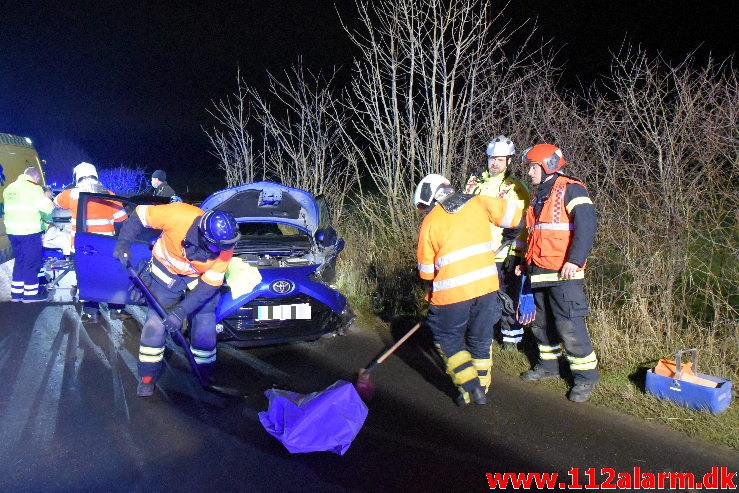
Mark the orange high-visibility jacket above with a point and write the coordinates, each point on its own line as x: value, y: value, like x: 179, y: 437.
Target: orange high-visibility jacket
x: 174, y: 220
x: 551, y: 235
x: 101, y: 215
x: 455, y: 249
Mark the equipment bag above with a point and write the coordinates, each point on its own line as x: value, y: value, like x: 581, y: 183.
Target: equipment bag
x: 681, y: 383
x: 327, y: 420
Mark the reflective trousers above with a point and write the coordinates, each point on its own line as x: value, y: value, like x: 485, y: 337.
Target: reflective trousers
x: 202, y: 331
x: 463, y: 332
x: 560, y: 321
x: 28, y: 252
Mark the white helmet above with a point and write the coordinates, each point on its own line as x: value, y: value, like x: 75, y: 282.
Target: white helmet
x: 432, y: 187
x: 501, y: 146
x: 83, y: 170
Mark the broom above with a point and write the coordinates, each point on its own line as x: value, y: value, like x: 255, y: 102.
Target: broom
x: 364, y: 384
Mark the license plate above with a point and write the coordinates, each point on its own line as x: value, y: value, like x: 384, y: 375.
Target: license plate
x: 284, y: 312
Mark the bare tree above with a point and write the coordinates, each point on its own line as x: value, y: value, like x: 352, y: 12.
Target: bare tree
x: 301, y: 139
x: 232, y: 143
x: 124, y: 180
x: 304, y: 126
x: 415, y: 92
x: 663, y: 154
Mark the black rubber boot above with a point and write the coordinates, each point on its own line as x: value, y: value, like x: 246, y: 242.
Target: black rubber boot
x: 581, y: 392
x: 539, y: 373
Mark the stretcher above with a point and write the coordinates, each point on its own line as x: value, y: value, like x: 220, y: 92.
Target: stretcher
x: 60, y: 274
x: 58, y: 267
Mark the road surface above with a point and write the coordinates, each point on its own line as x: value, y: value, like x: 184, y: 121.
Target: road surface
x: 70, y: 420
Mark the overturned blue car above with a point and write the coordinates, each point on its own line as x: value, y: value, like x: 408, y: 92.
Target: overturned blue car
x: 285, y: 234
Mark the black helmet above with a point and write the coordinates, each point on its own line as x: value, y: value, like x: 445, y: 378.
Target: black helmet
x: 219, y: 228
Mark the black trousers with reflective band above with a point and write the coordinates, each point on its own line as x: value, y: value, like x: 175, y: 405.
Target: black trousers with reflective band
x: 561, y: 309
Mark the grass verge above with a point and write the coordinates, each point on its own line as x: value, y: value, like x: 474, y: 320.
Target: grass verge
x: 624, y: 393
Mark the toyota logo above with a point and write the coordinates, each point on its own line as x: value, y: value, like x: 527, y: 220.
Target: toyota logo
x: 282, y: 287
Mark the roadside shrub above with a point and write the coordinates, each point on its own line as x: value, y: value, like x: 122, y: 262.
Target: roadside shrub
x: 379, y: 264
x: 124, y: 180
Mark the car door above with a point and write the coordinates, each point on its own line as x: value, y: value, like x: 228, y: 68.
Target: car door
x: 100, y: 277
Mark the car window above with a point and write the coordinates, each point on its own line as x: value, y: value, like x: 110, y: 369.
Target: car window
x: 99, y: 221
x: 94, y: 210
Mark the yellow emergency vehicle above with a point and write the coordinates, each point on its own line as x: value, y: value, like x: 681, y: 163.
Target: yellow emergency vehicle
x: 16, y: 154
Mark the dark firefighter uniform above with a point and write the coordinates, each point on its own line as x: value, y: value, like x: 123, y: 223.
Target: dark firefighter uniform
x: 561, y: 222
x: 455, y: 252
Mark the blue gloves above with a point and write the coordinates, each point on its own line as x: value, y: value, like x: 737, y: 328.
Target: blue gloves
x: 174, y: 319
x: 526, y: 307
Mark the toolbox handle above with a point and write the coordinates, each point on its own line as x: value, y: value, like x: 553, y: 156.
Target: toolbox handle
x: 679, y: 366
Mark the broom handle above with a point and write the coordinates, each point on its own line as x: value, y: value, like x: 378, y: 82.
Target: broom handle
x: 395, y: 346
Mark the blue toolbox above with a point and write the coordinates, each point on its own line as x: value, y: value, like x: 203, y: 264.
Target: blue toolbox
x: 689, y: 388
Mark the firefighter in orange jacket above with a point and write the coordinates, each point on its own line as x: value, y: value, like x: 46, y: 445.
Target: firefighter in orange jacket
x: 455, y: 252
x: 561, y: 222
x: 100, y: 218
x: 188, y: 266
x: 101, y: 214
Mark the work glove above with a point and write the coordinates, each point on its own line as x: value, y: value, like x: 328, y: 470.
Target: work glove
x: 122, y: 252
x: 510, y: 263
x: 174, y: 320
x: 526, y: 307
x: 129, y: 231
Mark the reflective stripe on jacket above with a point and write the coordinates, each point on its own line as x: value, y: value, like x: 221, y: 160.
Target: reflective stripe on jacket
x: 455, y: 249
x: 175, y: 220
x: 25, y: 206
x: 502, y: 186
x: 101, y: 215
x: 551, y: 234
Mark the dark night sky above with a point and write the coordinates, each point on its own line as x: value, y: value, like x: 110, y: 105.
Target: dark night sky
x: 131, y: 82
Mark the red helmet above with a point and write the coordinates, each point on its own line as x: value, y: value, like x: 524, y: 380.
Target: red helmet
x: 547, y: 155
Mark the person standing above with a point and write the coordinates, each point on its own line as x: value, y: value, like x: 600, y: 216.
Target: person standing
x: 455, y: 254
x: 561, y: 222
x: 27, y: 208
x: 497, y: 181
x: 188, y: 265
x: 101, y: 216
x: 160, y: 185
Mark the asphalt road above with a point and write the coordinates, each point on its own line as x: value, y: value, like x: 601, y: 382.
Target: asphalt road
x: 70, y: 419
